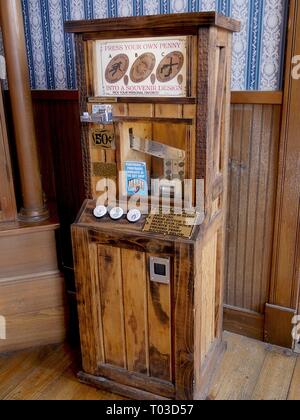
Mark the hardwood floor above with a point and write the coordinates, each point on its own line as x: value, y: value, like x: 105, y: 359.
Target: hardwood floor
x: 250, y: 370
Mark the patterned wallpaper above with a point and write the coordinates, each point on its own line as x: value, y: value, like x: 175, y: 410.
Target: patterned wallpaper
x: 257, y: 49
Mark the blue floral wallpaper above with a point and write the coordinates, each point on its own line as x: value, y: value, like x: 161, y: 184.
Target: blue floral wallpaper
x: 257, y: 49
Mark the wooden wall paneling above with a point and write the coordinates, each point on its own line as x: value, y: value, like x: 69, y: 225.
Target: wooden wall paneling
x: 136, y: 310
x: 90, y: 324
x: 58, y: 131
x: 252, y: 191
x: 32, y: 290
x: 8, y: 211
x: 159, y: 325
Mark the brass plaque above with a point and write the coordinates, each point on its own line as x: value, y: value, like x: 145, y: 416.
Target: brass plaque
x: 103, y: 138
x: 104, y: 170
x: 180, y: 225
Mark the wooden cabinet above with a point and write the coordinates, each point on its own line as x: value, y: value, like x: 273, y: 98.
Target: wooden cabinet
x: 150, y: 302
x: 7, y: 196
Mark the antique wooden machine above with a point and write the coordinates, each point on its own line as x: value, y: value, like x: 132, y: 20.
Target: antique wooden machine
x: 155, y: 102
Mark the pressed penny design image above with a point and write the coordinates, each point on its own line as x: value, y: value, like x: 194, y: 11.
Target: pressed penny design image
x: 170, y: 66
x: 117, y: 68
x: 142, y: 67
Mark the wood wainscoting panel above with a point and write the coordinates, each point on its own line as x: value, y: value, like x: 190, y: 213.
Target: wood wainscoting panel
x: 252, y: 192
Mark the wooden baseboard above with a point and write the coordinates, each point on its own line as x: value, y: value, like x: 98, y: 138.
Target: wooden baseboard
x: 32, y: 289
x: 116, y: 388
x: 34, y: 312
x: 243, y: 322
x: 278, y: 326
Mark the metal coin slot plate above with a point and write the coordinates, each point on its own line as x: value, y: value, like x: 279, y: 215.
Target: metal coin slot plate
x: 155, y: 148
x: 160, y: 270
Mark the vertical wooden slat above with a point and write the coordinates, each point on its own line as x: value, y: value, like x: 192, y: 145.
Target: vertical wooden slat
x: 260, y: 283
x: 159, y: 325
x: 243, y: 172
x: 253, y: 171
x: 208, y: 268
x: 233, y: 202
x: 271, y: 201
x: 252, y: 204
x: 112, y: 305
x: 135, y: 309
x: 183, y: 296
x: 91, y: 353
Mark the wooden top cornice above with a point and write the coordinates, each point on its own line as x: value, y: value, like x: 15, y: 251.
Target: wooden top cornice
x: 185, y: 23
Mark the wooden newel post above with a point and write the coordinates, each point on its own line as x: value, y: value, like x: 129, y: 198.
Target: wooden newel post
x: 33, y: 209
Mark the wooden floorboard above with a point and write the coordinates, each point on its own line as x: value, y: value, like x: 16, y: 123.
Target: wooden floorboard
x: 250, y: 370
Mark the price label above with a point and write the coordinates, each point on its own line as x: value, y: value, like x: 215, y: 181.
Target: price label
x: 103, y: 138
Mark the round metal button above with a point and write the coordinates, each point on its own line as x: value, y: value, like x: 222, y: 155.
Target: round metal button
x: 100, y: 211
x: 134, y: 216
x: 116, y: 213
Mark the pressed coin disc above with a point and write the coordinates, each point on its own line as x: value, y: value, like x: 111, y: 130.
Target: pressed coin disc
x: 100, y: 211
x: 117, y: 68
x: 134, y: 216
x: 116, y: 213
x: 142, y: 67
x: 170, y: 66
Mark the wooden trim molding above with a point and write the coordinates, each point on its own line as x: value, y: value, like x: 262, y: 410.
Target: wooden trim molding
x: 182, y: 21
x: 257, y: 98
x: 237, y: 97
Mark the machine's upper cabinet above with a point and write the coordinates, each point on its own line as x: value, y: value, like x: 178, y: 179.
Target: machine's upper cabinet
x: 153, y: 94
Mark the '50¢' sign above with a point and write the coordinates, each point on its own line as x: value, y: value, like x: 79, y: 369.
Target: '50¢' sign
x: 103, y: 138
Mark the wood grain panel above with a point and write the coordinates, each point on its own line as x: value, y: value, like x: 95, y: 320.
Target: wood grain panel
x: 159, y: 321
x: 27, y: 253
x: 253, y: 174
x: 135, y: 310
x: 8, y: 211
x: 112, y: 305
x: 33, y: 294
x: 34, y: 329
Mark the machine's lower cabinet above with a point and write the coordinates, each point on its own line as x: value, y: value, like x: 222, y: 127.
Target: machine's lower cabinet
x: 149, y: 313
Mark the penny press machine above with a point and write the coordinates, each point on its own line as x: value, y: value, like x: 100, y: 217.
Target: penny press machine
x: 149, y: 240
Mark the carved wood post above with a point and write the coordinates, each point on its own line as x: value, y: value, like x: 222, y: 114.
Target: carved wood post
x: 33, y: 209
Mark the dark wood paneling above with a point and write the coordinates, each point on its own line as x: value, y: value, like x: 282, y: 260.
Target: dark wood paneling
x: 257, y: 97
x: 7, y: 196
x: 252, y: 192
x: 58, y: 131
